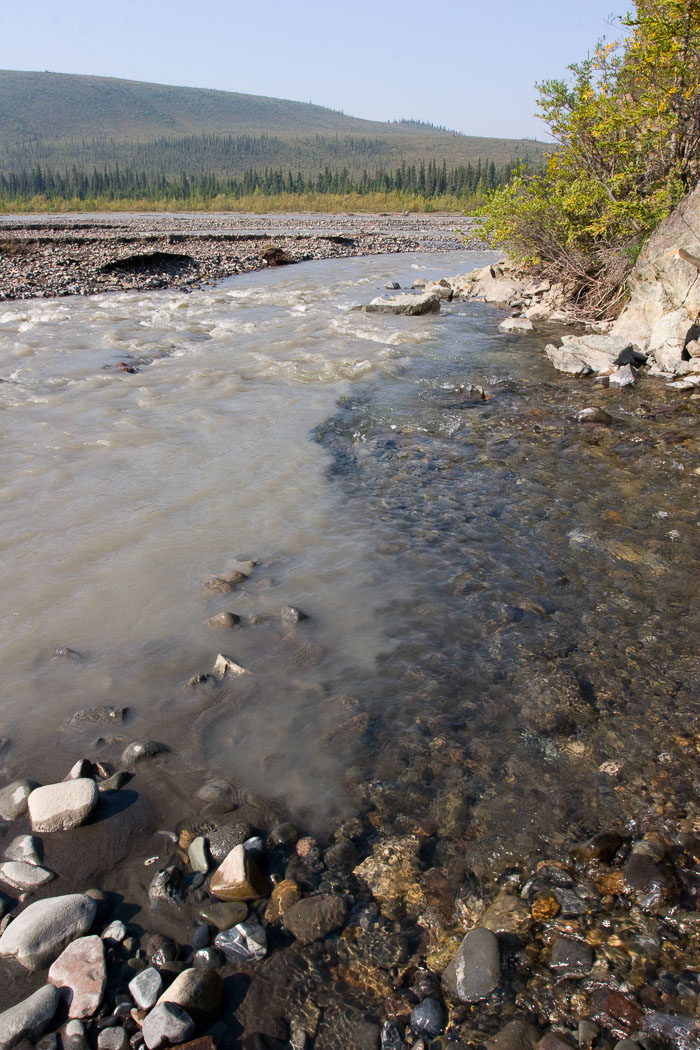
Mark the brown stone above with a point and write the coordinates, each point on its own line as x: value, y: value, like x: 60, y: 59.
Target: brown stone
x: 284, y: 895
x: 80, y: 972
x: 609, y: 882
x: 312, y: 918
x: 238, y: 878
x: 517, y: 1035
x: 544, y: 907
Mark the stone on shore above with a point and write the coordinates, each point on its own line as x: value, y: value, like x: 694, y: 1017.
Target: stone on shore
x: 167, y: 1025
x: 80, y: 972
x: 22, y: 876
x: 28, y: 1019
x: 13, y: 799
x: 24, y: 848
x: 246, y: 942
x: 199, y: 992
x: 58, y: 807
x: 238, y: 878
x: 139, y: 750
x: 475, y: 970
x: 409, y: 305
x: 516, y: 324
x: 43, y: 930
x: 146, y: 988
x: 313, y: 918
x: 622, y: 377
x: 590, y: 353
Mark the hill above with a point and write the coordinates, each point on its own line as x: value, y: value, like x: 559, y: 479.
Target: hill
x: 59, y: 120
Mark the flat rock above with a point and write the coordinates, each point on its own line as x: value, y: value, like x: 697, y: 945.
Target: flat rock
x: 23, y: 876
x: 312, y: 918
x: 29, y: 1018
x: 13, y: 798
x: 43, y: 930
x: 57, y: 807
x: 410, y: 305
x: 238, y: 878
x: 224, y: 914
x: 475, y: 970
x: 80, y: 972
x: 167, y: 1025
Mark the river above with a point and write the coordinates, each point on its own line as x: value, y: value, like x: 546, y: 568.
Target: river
x: 501, y: 616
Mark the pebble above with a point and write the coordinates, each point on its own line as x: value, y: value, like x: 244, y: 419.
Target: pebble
x: 80, y: 971
x: 58, y: 807
x: 13, y: 798
x: 114, y: 1038
x: 139, y: 750
x: 516, y: 1035
x: 24, y: 848
x: 145, y: 989
x: 219, y: 791
x: 23, y: 876
x: 223, y: 620
x: 116, y: 931
x: 167, y: 1025
x: 571, y: 958
x: 391, y: 1037
x: 29, y: 1018
x: 245, y: 942
x: 284, y: 895
x: 43, y: 929
x: 197, y: 853
x: 292, y: 615
x: 199, y: 991
x: 208, y: 958
x: 475, y: 970
x: 226, y: 665
x: 238, y: 878
x: 224, y: 914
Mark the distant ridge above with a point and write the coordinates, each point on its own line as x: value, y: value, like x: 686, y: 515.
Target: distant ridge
x: 60, y: 119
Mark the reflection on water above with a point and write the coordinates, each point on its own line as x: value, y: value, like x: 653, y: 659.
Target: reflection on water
x: 499, y: 597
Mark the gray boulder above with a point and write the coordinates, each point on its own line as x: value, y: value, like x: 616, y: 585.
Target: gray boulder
x: 57, y: 807
x: 43, y: 930
x: 410, y: 305
x: 580, y: 354
x: 30, y: 1018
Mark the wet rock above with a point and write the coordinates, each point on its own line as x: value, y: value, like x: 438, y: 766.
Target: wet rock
x: 392, y: 875
x: 43, y: 929
x: 571, y: 958
x: 285, y: 835
x: 114, y: 782
x: 168, y: 887
x: 80, y: 972
x: 198, y: 991
x: 238, y: 878
x: 219, y: 792
x: 588, y: 1032
x: 593, y: 415
x: 626, y: 1044
x: 516, y: 324
x: 391, y: 1038
x: 223, y: 620
x: 428, y: 1018
x: 227, y: 837
x: 208, y: 958
x: 554, y: 1041
x: 226, y: 665
x: 224, y: 582
x: 507, y: 915
x: 58, y: 807
x: 622, y: 377
x: 79, y: 770
x: 392, y: 286
x: 28, y: 1019
x: 516, y: 1035
x: 13, y: 798
x: 65, y: 653
x: 167, y: 1025
x: 682, y: 1033
x: 102, y: 715
x: 292, y: 615
x: 313, y: 918
x: 245, y: 942
x: 146, y: 988
x: 647, y: 882
x: 602, y: 847
x: 140, y: 749
x: 223, y: 915
x: 22, y: 876
x: 284, y: 895
x: 475, y: 970
x: 410, y: 305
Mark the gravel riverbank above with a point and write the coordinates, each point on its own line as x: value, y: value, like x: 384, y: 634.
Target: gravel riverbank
x: 47, y: 256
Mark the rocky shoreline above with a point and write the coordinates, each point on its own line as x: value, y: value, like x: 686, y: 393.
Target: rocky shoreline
x: 58, y: 256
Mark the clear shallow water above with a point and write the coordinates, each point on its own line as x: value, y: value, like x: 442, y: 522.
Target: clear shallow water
x: 499, y: 597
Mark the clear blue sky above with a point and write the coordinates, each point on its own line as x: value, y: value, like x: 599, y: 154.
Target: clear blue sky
x: 470, y: 65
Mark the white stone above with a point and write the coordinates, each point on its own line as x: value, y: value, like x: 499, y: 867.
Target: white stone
x: 411, y: 305
x: 13, y: 799
x: 23, y: 876
x: 116, y: 931
x: 42, y: 931
x: 621, y: 377
x: 57, y: 807
x: 224, y: 665
x: 515, y: 324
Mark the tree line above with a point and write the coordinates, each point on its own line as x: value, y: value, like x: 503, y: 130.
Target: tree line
x: 431, y: 180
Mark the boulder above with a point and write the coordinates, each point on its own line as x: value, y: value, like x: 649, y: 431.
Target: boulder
x: 28, y: 1019
x: 43, y: 930
x: 410, y: 305
x: 57, y: 807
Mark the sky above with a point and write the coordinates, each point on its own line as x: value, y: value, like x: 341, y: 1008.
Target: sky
x: 470, y: 66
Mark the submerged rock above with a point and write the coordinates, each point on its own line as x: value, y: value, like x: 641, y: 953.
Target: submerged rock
x: 475, y: 970
x: 313, y: 918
